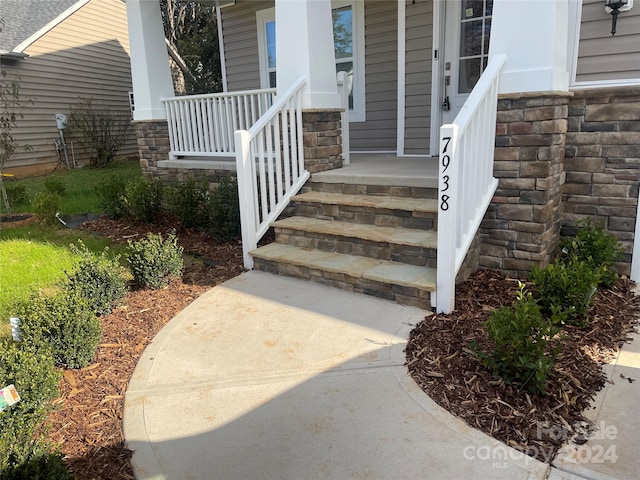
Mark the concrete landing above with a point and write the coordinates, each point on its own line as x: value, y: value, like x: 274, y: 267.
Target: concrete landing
x: 381, y: 169
x: 268, y: 377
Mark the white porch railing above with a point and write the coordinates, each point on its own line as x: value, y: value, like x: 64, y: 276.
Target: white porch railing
x: 204, y: 125
x: 270, y: 166
x: 466, y: 183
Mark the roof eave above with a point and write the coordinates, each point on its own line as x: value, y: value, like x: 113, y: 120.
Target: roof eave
x: 13, y: 55
x: 36, y: 35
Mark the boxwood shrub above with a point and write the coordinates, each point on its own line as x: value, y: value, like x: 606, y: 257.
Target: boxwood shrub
x: 64, y: 323
x: 154, y: 261
x: 99, y: 279
x: 31, y: 370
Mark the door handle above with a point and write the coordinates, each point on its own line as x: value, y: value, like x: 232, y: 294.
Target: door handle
x: 446, y: 106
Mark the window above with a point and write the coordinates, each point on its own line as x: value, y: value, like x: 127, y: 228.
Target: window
x: 348, y: 39
x: 475, y: 27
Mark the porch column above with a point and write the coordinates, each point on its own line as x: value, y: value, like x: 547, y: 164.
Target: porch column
x: 534, y: 36
x: 150, y: 73
x: 304, y: 48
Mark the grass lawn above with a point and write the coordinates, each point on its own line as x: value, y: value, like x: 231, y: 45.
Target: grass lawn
x: 79, y: 184
x: 34, y: 256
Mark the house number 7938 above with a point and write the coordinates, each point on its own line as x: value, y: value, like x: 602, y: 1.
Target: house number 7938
x: 445, y: 160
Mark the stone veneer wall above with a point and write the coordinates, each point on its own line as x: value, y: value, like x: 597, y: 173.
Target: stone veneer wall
x: 322, y: 139
x: 153, y: 145
x: 522, y: 225
x: 603, y: 162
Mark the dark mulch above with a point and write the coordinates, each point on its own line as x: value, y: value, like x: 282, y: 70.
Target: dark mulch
x: 88, y: 423
x: 440, y: 361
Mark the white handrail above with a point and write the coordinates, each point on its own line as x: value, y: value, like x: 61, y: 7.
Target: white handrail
x: 270, y: 166
x: 466, y: 183
x: 204, y: 125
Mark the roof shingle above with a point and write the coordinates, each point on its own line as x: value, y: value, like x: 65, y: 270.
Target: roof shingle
x: 22, y: 18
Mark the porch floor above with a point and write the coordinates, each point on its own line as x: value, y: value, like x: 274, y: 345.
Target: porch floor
x: 384, y: 169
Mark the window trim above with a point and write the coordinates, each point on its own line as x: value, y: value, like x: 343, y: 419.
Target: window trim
x: 358, y: 113
x: 262, y: 18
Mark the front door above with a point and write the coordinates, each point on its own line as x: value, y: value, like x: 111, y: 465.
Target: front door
x: 467, y: 25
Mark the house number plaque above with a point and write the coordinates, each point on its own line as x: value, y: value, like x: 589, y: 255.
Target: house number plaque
x: 445, y: 160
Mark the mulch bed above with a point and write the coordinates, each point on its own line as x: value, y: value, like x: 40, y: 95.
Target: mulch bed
x: 88, y: 421
x: 440, y: 361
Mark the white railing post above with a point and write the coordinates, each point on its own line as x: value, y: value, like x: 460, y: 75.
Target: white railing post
x: 447, y: 219
x: 246, y: 195
x: 265, y: 186
x: 343, y: 90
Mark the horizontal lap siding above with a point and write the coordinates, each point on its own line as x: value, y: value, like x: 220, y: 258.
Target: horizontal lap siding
x: 418, y: 44
x: 241, y: 44
x: 381, y: 66
x: 601, y: 56
x: 87, y: 55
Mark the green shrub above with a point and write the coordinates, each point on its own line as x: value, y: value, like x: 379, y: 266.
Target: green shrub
x: 54, y: 185
x: 596, y: 247
x: 98, y: 279
x: 225, y: 211
x: 519, y: 334
x: 64, y: 322
x: 191, y: 203
x: 144, y: 199
x: 16, y: 193
x: 45, y: 205
x: 112, y: 199
x: 564, y: 290
x: 153, y: 261
x: 31, y: 371
x: 44, y: 464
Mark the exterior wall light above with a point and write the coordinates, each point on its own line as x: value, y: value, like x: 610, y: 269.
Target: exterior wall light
x: 614, y: 7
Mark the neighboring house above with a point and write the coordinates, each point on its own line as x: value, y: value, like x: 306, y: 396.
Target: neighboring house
x: 550, y: 132
x: 62, y: 51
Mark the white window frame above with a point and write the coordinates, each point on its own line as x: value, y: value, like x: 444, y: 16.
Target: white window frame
x: 358, y: 112
x: 262, y: 18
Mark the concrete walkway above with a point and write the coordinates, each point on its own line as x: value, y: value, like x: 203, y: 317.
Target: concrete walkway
x: 267, y: 377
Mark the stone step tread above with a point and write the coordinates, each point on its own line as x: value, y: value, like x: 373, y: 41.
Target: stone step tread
x: 382, y: 271
x: 396, y: 235
x: 422, y: 205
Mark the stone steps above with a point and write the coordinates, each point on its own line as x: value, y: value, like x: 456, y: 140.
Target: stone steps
x: 407, y: 212
x: 369, y: 233
x: 370, y: 188
x: 406, y: 284
x: 412, y: 246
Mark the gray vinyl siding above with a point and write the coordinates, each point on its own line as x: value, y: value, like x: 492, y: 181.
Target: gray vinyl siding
x: 378, y: 132
x: 605, y: 57
x: 419, y: 45
x: 86, y: 55
x: 240, y: 34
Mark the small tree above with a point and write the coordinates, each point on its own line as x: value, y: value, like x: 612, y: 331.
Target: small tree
x: 12, y: 105
x: 101, y: 130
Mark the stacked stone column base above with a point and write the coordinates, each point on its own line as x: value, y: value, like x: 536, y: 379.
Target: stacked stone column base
x: 522, y: 225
